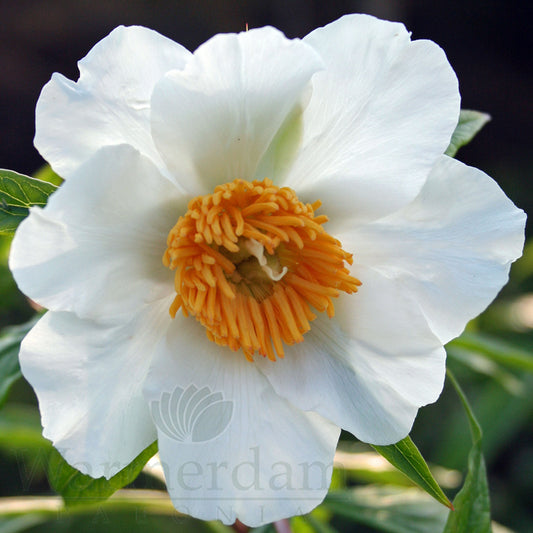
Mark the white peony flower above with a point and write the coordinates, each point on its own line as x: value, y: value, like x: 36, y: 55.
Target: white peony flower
x: 247, y: 394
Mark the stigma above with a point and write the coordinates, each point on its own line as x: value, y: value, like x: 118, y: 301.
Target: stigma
x: 253, y: 264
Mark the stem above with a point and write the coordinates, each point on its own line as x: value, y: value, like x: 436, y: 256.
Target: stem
x: 239, y: 527
x: 475, y: 428
x: 281, y: 526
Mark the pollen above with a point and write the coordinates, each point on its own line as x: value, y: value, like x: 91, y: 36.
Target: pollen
x: 253, y: 264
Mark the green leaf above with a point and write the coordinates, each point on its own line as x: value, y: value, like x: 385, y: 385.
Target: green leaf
x: 370, y: 468
x: 497, y: 350
x: 298, y: 524
x: 9, y: 370
x: 127, y: 511
x: 21, y: 431
x: 310, y: 524
x: 17, y: 194
x: 389, y: 509
x: 78, y: 488
x: 404, y: 455
x: 23, y: 449
x: 10, y: 340
x: 472, y: 504
x: 470, y: 123
x: 18, y: 524
x: 483, y: 365
x: 45, y: 173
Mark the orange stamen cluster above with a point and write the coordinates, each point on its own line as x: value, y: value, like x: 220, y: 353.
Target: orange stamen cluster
x: 223, y: 285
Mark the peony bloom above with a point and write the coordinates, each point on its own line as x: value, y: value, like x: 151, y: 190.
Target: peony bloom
x: 256, y: 245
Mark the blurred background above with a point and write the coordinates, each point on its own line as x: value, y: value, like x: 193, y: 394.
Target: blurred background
x: 488, y: 42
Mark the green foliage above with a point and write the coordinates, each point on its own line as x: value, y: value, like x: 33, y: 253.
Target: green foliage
x: 20, y: 432
x: 128, y: 512
x: 508, y: 366
x: 469, y: 125
x: 310, y: 524
x: 472, y: 504
x: 17, y: 194
x: 389, y: 509
x: 24, y: 451
x: 497, y: 350
x: 9, y: 368
x: 404, y: 455
x: 10, y: 340
x: 78, y: 488
x: 361, y: 466
x: 45, y: 173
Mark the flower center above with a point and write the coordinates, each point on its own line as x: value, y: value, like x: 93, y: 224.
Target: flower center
x: 251, y: 261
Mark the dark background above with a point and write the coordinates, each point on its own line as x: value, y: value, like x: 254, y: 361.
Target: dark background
x: 488, y: 42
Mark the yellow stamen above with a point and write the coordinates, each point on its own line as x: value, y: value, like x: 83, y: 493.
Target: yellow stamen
x: 245, y: 298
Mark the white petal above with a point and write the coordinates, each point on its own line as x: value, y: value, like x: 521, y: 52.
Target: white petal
x: 380, y: 114
x: 96, y: 248
x: 368, y: 369
x: 254, y: 456
x: 213, y: 121
x: 88, y: 378
x: 451, y: 248
x: 110, y: 103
